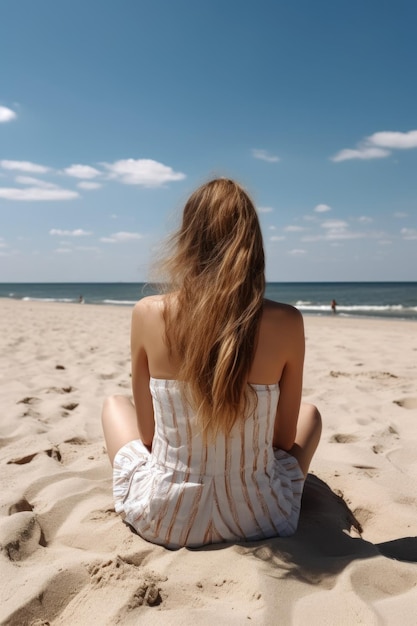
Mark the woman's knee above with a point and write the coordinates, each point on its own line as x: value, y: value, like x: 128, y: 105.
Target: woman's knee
x: 112, y: 405
x: 311, y: 421
x: 312, y: 413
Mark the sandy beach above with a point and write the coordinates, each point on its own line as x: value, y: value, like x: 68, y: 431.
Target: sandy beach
x: 67, y: 558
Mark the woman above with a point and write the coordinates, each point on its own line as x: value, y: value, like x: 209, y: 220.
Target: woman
x: 217, y: 445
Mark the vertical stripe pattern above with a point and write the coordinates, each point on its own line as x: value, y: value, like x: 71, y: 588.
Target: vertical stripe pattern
x: 186, y: 493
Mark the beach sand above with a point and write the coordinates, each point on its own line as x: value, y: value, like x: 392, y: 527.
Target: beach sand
x: 67, y: 558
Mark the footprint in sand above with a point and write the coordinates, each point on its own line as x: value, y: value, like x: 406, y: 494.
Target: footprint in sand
x: 68, y: 389
x: 20, y: 533
x: 70, y: 406
x: 407, y: 403
x: 363, y: 516
x: 147, y: 593
x: 53, y: 453
x: 386, y: 439
x: 28, y: 400
x: 107, y: 376
x: 341, y: 438
x: 120, y: 570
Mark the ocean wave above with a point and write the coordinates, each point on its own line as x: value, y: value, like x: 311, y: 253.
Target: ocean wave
x: 129, y: 302
x: 31, y: 299
x: 355, y: 307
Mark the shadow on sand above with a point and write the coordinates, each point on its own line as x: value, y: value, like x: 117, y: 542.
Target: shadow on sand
x: 323, y: 544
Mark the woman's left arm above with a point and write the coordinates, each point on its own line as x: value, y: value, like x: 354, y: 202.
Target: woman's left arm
x: 140, y: 371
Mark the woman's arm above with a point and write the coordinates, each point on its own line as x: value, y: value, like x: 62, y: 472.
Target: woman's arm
x: 291, y: 381
x: 140, y: 371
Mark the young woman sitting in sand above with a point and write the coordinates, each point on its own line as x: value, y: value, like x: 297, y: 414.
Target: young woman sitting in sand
x: 217, y: 445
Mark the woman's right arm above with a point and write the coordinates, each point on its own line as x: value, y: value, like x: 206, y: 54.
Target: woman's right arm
x: 291, y: 382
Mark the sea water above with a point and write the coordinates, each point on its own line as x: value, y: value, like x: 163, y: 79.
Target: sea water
x: 397, y: 300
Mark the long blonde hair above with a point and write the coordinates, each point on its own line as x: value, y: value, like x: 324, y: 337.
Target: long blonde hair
x: 217, y: 282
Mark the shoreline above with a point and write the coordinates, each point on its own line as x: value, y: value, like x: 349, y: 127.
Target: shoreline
x: 66, y: 557
x: 104, y: 306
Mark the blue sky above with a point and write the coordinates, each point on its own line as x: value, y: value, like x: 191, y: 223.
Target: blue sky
x: 111, y: 113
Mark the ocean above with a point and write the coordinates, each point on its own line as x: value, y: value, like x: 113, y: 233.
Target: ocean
x: 390, y: 300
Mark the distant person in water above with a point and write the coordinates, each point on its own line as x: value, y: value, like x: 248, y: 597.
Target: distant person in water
x: 81, y: 299
x: 217, y: 444
x: 333, y: 304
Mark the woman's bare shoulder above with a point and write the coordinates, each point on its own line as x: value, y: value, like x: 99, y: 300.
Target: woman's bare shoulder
x: 150, y: 302
x: 280, y: 311
x: 282, y: 320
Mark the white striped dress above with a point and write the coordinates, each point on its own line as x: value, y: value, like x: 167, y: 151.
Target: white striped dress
x: 185, y: 493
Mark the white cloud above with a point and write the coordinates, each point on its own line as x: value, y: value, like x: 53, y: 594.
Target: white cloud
x: 394, y: 140
x: 35, y: 182
x: 88, y: 185
x: 277, y: 238
x: 338, y: 229
x: 78, y: 232
x: 6, y: 115
x: 63, y: 250
x: 24, y: 166
x: 121, y: 237
x: 82, y: 171
x: 363, y: 152
x: 409, y: 233
x: 145, y: 172
x: 334, y: 224
x: 322, y: 208
x: 294, y: 229
x: 364, y: 219
x: 297, y: 252
x: 379, y: 145
x: 265, y: 209
x: 264, y: 155
x: 37, y: 194
x: 400, y: 214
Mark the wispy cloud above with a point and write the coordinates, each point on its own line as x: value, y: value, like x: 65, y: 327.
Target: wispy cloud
x: 294, y: 229
x: 35, y: 182
x: 264, y: 155
x: 37, y: 194
x: 378, y: 145
x: 78, y: 232
x: 409, y: 233
x: 85, y: 184
x: 121, y: 237
x: 265, y: 209
x: 400, y: 214
x: 277, y: 238
x: 6, y: 114
x: 24, y: 166
x: 322, y: 208
x: 339, y: 229
x: 362, y: 152
x: 82, y: 171
x: 334, y: 230
x: 297, y: 252
x: 145, y: 172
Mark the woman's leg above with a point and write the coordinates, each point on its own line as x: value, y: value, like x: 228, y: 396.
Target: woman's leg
x: 307, y: 437
x: 119, y: 423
